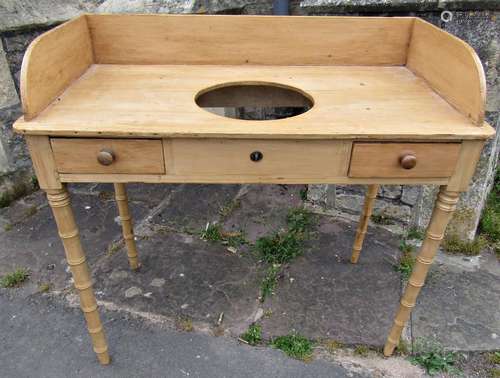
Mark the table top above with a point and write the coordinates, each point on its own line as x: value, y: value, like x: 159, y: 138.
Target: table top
x: 360, y: 102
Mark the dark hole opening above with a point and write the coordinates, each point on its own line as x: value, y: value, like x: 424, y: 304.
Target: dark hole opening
x: 255, y: 101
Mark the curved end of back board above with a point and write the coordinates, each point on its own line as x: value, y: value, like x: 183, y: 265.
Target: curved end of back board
x: 51, y: 62
x: 450, y: 66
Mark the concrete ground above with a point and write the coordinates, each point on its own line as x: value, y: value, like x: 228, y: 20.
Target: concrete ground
x: 184, y: 279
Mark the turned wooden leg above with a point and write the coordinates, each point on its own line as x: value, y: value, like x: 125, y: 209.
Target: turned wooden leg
x: 126, y: 219
x: 371, y: 194
x: 441, y: 215
x: 68, y: 231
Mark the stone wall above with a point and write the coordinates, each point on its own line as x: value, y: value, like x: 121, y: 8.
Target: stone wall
x: 476, y: 21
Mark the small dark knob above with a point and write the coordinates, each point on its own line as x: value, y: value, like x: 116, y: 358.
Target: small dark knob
x: 106, y: 156
x: 408, y: 160
x: 256, y: 156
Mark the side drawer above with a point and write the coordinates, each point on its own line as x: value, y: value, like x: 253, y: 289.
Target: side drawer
x: 78, y: 155
x: 403, y: 160
x: 282, y: 159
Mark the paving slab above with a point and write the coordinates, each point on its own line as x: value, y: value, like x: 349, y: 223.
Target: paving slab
x: 43, y: 338
x: 181, y: 277
x: 322, y: 295
x: 261, y: 209
x: 29, y: 238
x: 459, y: 305
x: 194, y: 205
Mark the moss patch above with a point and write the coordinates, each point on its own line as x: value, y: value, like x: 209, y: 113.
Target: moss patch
x: 490, y: 221
x: 455, y: 245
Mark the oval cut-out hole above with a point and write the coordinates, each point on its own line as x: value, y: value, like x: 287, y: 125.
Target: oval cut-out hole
x: 254, y: 101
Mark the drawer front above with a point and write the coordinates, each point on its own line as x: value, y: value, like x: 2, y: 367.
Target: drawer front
x: 139, y: 156
x: 403, y: 159
x: 271, y: 158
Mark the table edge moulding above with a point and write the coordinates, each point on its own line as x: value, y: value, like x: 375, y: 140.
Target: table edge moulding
x: 126, y: 98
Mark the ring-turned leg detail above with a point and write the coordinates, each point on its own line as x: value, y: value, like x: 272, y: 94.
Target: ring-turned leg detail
x: 443, y: 210
x: 68, y: 231
x: 371, y: 194
x: 126, y: 219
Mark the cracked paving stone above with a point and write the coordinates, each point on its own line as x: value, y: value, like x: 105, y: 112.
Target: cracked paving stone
x: 262, y: 209
x: 192, y: 206
x: 213, y: 280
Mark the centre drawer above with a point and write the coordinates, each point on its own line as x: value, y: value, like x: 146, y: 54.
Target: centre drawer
x: 83, y: 155
x: 240, y: 158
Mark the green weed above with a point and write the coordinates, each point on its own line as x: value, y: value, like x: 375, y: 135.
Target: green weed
x: 494, y: 357
x: 431, y: 356
x: 415, y: 233
x: 361, y: 350
x: 211, y: 232
x: 454, y: 245
x: 295, y: 346
x: 406, y: 260
x: 253, y: 334
x: 381, y: 219
x: 15, y: 278
x: 269, y: 282
x: 490, y: 221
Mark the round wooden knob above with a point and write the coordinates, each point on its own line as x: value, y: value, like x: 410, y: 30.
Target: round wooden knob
x: 408, y: 160
x: 106, y: 156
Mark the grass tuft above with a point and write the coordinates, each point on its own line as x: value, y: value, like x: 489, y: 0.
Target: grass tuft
x: 44, y: 288
x: 415, y: 233
x: 381, y: 219
x: 454, y: 245
x: 494, y: 357
x: 295, y: 346
x: 184, y: 324
x: 332, y: 345
x: 406, y: 261
x: 253, y: 335
x: 269, y: 282
x: 211, y: 232
x: 15, y: 278
x: 214, y: 233
x: 282, y: 247
x: 361, y: 350
x: 431, y: 356
x: 490, y: 221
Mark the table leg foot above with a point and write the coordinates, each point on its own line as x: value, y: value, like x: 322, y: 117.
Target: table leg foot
x: 443, y: 210
x: 68, y: 231
x: 126, y: 220
x: 371, y: 194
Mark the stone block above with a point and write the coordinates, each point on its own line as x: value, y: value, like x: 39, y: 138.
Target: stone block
x: 147, y: 6
x: 26, y: 14
x: 8, y: 93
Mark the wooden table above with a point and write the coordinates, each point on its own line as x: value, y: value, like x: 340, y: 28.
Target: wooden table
x: 115, y: 98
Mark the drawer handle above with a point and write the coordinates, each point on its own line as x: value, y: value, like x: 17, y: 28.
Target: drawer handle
x: 106, y: 156
x: 256, y: 156
x: 408, y: 160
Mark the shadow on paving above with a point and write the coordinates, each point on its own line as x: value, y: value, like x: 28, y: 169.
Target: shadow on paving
x: 322, y: 295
